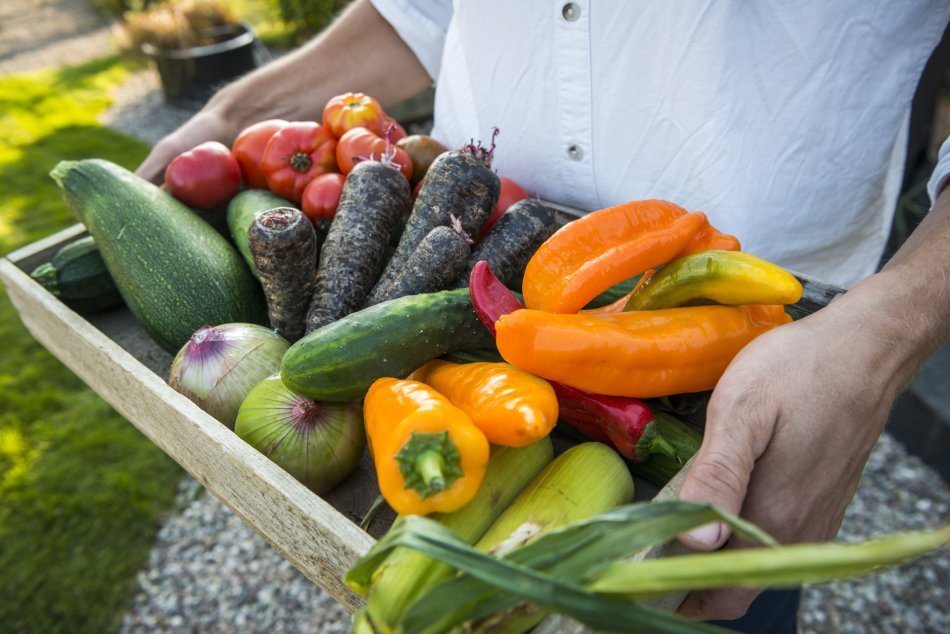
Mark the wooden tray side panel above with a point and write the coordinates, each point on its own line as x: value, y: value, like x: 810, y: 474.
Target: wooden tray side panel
x: 305, y: 529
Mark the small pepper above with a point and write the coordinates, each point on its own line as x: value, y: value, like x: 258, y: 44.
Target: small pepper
x: 625, y: 423
x: 711, y: 239
x: 429, y: 457
x: 642, y: 354
x: 510, y: 406
x: 731, y: 278
x: 603, y: 248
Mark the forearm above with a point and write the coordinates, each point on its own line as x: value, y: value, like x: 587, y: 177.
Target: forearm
x: 900, y: 316
x: 359, y: 52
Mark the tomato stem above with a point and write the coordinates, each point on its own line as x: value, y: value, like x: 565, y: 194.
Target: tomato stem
x: 301, y: 161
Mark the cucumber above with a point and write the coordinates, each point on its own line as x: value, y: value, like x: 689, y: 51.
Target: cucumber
x: 78, y: 276
x: 339, y: 361
x: 242, y: 210
x: 174, y: 271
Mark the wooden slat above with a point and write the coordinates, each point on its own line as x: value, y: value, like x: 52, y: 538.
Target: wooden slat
x: 309, y: 532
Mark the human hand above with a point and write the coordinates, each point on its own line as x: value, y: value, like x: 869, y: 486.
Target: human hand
x: 206, y: 125
x: 789, y: 428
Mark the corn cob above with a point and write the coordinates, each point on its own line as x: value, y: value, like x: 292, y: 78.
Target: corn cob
x: 585, y: 480
x: 406, y: 575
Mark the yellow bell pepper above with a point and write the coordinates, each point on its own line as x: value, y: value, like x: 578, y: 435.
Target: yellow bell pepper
x: 428, y: 455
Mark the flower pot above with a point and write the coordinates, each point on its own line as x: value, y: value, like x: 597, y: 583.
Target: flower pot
x: 192, y: 75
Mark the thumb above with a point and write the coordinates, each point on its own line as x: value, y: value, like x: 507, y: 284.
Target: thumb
x: 719, y: 475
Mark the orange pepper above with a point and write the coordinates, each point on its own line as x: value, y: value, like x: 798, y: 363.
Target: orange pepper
x: 603, y: 248
x: 711, y: 239
x: 429, y: 457
x: 640, y: 354
x: 510, y: 406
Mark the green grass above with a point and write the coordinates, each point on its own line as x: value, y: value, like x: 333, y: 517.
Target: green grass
x: 81, y: 490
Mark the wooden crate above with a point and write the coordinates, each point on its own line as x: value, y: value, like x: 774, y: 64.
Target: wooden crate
x: 318, y: 535
x: 111, y: 353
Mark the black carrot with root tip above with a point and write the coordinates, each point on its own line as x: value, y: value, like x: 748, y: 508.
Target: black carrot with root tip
x: 459, y: 183
x: 375, y: 196
x: 511, y: 242
x: 284, y: 247
x: 435, y: 263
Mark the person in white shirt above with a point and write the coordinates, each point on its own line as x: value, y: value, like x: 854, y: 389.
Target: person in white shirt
x: 785, y: 122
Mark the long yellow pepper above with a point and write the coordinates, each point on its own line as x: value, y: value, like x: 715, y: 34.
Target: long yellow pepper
x: 641, y: 354
x: 510, y: 406
x: 428, y: 455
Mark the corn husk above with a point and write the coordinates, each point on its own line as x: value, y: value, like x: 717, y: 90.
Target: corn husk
x: 400, y: 576
x: 559, y: 570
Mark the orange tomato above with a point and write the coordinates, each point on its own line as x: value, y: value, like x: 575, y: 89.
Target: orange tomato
x: 351, y: 110
x: 360, y: 144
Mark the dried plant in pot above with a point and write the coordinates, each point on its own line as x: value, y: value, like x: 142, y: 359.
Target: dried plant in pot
x: 196, y: 45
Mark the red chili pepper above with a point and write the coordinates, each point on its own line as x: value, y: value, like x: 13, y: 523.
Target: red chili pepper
x: 625, y: 423
x: 490, y: 298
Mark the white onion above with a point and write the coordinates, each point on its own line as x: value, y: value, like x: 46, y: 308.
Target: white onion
x: 219, y: 365
x: 318, y: 443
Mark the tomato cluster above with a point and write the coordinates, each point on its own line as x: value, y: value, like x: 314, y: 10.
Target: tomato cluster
x: 306, y: 162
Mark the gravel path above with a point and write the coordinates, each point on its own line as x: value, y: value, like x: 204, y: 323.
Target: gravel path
x: 209, y: 572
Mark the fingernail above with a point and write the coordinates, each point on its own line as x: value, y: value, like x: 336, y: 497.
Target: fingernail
x: 707, y: 534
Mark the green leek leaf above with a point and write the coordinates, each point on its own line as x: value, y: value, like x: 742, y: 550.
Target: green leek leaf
x: 575, y: 553
x: 784, y: 566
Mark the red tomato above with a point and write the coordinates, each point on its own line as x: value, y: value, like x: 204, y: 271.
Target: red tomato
x: 351, y: 110
x: 321, y: 196
x: 511, y: 192
x: 359, y: 144
x: 248, y: 148
x: 396, y: 131
x: 295, y: 155
x: 205, y: 176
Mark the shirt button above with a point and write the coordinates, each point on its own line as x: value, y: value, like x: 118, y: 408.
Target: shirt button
x: 571, y: 11
x: 575, y: 153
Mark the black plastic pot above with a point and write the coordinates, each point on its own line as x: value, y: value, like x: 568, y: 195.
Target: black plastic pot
x: 192, y: 75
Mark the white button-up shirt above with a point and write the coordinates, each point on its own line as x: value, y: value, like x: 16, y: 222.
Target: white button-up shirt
x: 785, y: 122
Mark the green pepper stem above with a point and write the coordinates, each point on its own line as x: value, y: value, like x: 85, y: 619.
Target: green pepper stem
x: 429, y: 465
x: 652, y: 442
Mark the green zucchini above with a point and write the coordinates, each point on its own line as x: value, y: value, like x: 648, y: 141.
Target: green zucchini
x: 174, y: 271
x: 78, y: 276
x: 339, y: 361
x: 242, y: 210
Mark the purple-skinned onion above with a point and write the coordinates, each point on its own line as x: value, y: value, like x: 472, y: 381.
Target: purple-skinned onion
x: 318, y: 443
x: 219, y: 365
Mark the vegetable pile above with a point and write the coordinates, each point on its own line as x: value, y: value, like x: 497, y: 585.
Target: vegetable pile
x: 380, y: 289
